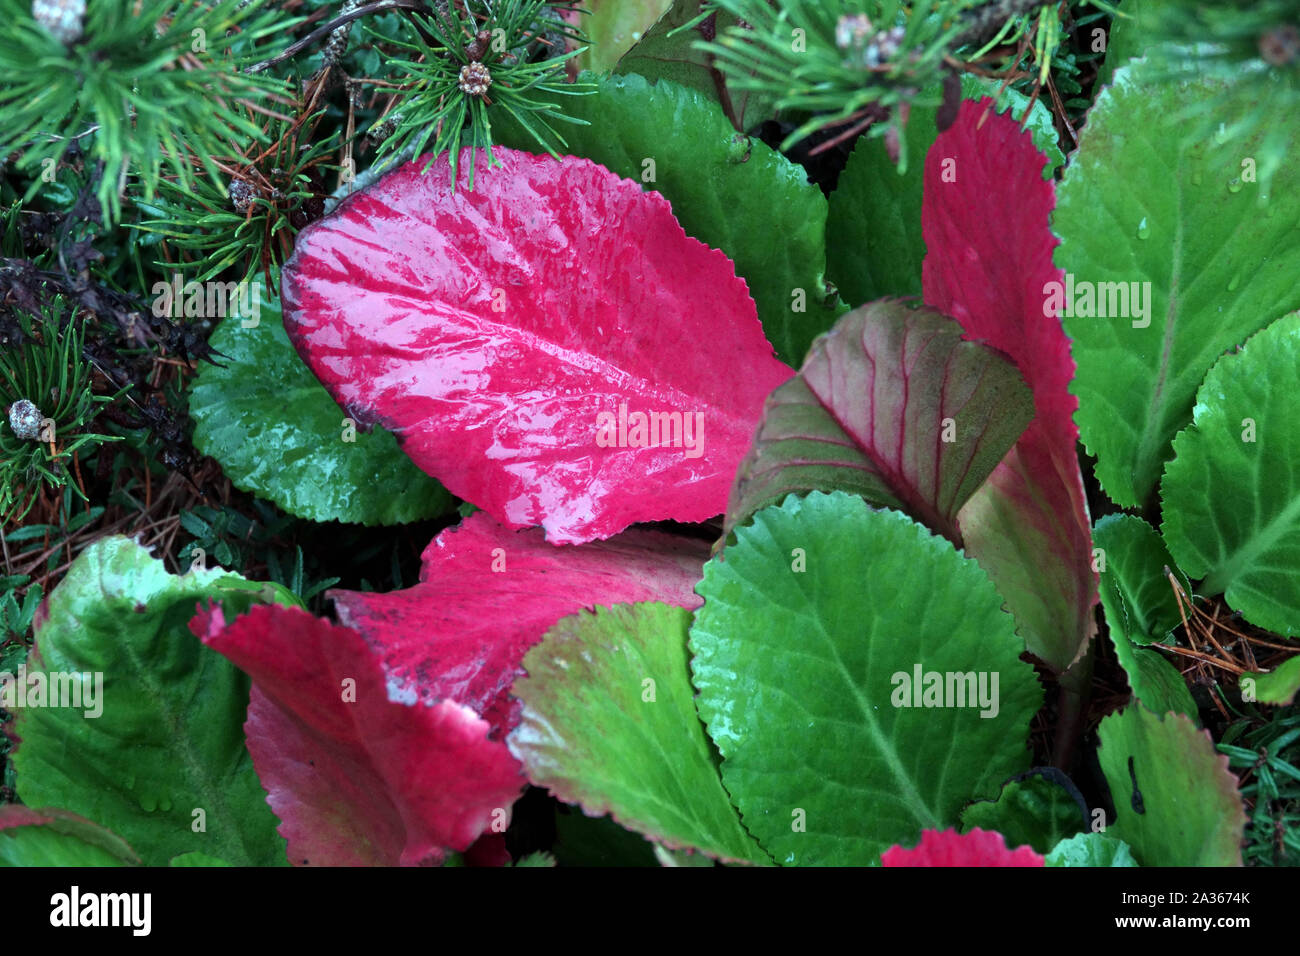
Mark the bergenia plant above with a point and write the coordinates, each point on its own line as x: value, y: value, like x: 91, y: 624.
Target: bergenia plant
x: 935, y: 510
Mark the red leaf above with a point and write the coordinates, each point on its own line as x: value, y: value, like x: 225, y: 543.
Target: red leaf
x: 488, y: 850
x: 357, y: 776
x: 989, y: 254
x: 495, y: 330
x: 950, y: 848
x: 487, y: 594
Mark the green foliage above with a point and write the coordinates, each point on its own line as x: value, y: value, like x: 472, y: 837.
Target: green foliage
x: 829, y: 59
x: 168, y: 739
x: 139, y: 90
x: 1034, y: 811
x: 607, y: 695
x: 16, y: 615
x: 1266, y: 753
x: 1176, y: 802
x: 248, y: 223
x: 805, y: 677
x: 1278, y: 686
x: 1251, y: 47
x: 668, y: 51
x: 47, y: 368
x: 1230, y: 498
x: 229, y: 537
x: 614, y: 26
x: 1143, y: 211
x: 1091, y: 849
x: 58, y: 838
x: 445, y: 104
x: 1156, y: 682
x: 837, y: 66
x: 1135, y: 590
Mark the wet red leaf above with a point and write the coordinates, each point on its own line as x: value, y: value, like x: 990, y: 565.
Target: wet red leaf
x: 551, y: 346
x: 487, y: 594
x: 357, y: 773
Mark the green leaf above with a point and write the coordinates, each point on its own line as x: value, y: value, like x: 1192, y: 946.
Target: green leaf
x: 1035, y: 811
x: 58, y: 838
x: 729, y: 191
x: 169, y: 740
x: 613, y: 27
x: 1137, y: 597
x: 892, y: 405
x: 1278, y: 686
x: 1231, y: 496
x: 665, y: 54
x: 874, y: 246
x: 1155, y: 681
x: 1091, y: 849
x: 814, y: 622
x: 197, y: 859
x: 277, y: 434
x: 1175, y: 798
x: 1138, y: 205
x: 609, y: 723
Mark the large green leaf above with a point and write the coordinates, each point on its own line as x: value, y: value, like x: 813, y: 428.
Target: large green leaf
x: 1175, y: 799
x: 609, y: 722
x: 813, y: 623
x: 169, y: 741
x: 58, y: 838
x: 277, y: 434
x: 663, y: 53
x: 1231, y: 496
x: 874, y: 246
x: 1137, y: 596
x: 729, y: 191
x: 1036, y: 811
x: 892, y: 405
x: 1211, y: 266
x: 1091, y: 849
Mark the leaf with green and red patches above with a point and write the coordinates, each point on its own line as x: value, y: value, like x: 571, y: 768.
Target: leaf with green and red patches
x: 891, y: 405
x: 985, y: 220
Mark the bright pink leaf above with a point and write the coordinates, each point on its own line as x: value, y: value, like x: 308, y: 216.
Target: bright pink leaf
x: 359, y: 773
x: 989, y: 254
x: 950, y: 848
x: 487, y: 594
x: 551, y: 346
